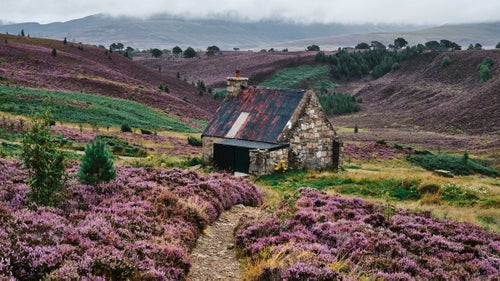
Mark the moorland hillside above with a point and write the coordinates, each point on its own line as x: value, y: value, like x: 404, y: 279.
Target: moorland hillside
x: 214, y: 70
x: 427, y: 94
x: 50, y: 64
x: 423, y: 93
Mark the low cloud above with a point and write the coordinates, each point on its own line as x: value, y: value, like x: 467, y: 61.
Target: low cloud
x: 323, y: 11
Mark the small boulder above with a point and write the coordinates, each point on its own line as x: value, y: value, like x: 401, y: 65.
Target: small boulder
x: 443, y: 173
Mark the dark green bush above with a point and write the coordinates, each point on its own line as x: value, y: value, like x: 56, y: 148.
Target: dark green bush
x: 485, y: 69
x: 194, y: 141
x: 339, y: 103
x: 146, y: 132
x: 220, y: 94
x: 121, y: 147
x: 126, y: 128
x: 454, y: 164
x: 193, y: 161
x: 446, y: 61
x: 457, y: 195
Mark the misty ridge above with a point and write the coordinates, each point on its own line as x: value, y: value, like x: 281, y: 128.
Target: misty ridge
x: 165, y: 31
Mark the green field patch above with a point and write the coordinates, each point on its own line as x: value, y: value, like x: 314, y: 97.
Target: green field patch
x: 399, y: 189
x: 297, y: 77
x: 86, y: 108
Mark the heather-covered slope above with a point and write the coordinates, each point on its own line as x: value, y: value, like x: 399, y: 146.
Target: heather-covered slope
x: 426, y: 94
x: 28, y: 62
x: 316, y: 236
x: 140, y: 226
x: 214, y: 70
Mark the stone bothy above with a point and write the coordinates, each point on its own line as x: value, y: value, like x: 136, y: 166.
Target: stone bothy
x: 256, y: 128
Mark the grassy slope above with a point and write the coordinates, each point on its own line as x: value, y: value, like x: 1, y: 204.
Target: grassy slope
x: 85, y: 108
x: 297, y: 76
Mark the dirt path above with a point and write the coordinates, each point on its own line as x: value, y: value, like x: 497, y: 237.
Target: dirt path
x: 214, y: 257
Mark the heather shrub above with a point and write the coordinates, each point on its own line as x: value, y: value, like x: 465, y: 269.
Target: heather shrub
x: 139, y: 226
x: 44, y: 160
x: 96, y: 165
x: 327, y: 237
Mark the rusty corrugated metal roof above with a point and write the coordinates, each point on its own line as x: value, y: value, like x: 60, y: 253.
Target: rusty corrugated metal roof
x: 255, y: 114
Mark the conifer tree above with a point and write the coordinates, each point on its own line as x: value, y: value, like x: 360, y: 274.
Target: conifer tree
x: 44, y: 160
x: 96, y: 165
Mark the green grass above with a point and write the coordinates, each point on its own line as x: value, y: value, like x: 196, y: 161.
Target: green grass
x: 297, y: 77
x: 86, y: 108
x: 9, y: 149
x: 455, y: 164
x: 397, y: 189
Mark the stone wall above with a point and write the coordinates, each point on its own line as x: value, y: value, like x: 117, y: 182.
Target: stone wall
x: 313, y: 142
x: 234, y: 85
x: 262, y: 162
x: 312, y: 137
x: 208, y: 149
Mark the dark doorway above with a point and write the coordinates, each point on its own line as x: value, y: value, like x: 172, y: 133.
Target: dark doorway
x: 336, y: 154
x: 241, y: 159
x: 231, y: 158
x: 223, y: 157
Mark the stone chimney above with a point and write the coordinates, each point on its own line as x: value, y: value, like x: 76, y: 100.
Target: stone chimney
x: 234, y: 85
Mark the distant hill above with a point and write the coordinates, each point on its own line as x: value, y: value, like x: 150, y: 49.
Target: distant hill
x: 487, y: 34
x: 28, y: 62
x: 168, y: 31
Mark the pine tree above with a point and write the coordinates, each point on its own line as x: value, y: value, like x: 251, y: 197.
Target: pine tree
x: 96, y: 165
x: 44, y: 160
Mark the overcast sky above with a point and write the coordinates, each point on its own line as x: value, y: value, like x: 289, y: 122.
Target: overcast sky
x: 343, y: 11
